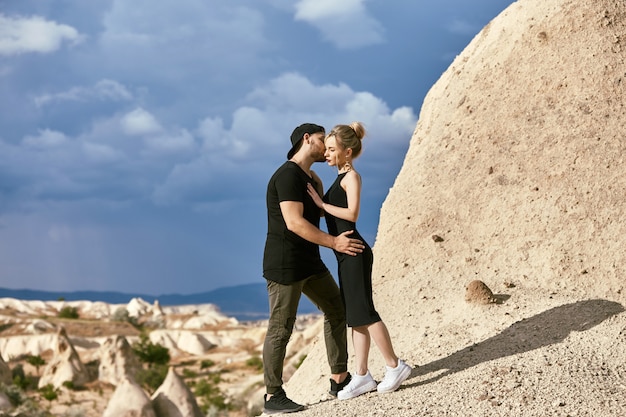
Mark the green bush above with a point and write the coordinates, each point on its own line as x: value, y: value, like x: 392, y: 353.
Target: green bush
x: 210, y: 396
x: 49, y: 392
x: 68, y: 385
x: 255, y: 362
x: 14, y: 393
x: 68, y: 312
x: 122, y: 315
x: 20, y: 379
x: 207, y: 363
x: 152, y: 377
x: 35, y: 361
x: 151, y: 353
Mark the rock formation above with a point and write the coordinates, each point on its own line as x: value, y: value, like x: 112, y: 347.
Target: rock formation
x: 5, y: 372
x: 517, y: 165
x: 129, y: 400
x: 174, y: 399
x: 118, y: 362
x: 65, y: 365
x: 5, y: 403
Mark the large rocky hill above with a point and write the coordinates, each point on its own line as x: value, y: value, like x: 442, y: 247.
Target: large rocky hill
x: 515, y: 176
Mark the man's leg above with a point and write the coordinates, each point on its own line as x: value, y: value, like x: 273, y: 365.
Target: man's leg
x: 323, y: 291
x: 283, y: 301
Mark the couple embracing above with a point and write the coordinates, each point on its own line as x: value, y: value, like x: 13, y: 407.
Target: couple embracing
x: 292, y: 266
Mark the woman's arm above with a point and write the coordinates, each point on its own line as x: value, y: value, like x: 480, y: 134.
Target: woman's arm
x: 320, y: 191
x: 351, y: 183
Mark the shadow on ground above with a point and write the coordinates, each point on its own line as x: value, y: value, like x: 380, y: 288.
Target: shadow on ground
x: 544, y: 329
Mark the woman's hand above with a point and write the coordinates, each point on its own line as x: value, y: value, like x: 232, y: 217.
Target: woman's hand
x: 314, y: 195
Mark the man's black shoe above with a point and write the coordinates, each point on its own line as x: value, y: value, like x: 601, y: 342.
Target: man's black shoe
x: 279, y: 403
x: 336, y: 387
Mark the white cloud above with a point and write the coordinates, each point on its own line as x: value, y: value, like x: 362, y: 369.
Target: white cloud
x: 102, y: 90
x: 346, y: 24
x: 167, y: 143
x: 140, y: 122
x: 19, y: 35
x: 173, y: 35
x: 99, y: 153
x: 259, y: 136
x: 292, y: 92
x: 316, y: 10
x: 46, y: 139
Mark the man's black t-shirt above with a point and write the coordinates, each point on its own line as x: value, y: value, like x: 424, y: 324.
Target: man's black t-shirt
x: 288, y: 257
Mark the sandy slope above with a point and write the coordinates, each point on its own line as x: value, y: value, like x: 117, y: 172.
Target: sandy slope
x: 517, y: 163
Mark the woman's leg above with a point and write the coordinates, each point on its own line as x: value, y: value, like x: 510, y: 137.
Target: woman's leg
x: 378, y: 331
x: 361, y: 341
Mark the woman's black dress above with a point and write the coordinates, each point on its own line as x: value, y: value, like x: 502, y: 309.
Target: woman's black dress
x: 355, y: 272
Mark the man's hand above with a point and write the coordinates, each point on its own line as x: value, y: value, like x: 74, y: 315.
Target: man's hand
x: 347, y: 245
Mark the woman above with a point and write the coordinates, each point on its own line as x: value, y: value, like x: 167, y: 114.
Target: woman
x: 341, y: 208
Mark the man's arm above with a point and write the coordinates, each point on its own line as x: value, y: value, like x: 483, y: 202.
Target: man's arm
x: 293, y: 214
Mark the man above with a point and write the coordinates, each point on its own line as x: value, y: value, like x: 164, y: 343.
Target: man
x: 292, y: 266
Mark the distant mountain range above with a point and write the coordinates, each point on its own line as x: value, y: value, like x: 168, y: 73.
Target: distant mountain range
x: 243, y: 302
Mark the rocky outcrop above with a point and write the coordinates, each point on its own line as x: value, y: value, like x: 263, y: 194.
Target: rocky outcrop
x: 65, y: 365
x: 137, y: 307
x: 5, y: 402
x: 129, y: 400
x: 5, y: 372
x: 174, y: 399
x: 118, y: 362
x: 517, y: 166
x: 15, y: 346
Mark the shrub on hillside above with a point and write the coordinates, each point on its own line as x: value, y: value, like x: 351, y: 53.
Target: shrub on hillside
x: 36, y: 361
x: 68, y: 312
x: 151, y: 353
x: 208, y: 392
x: 152, y: 377
x: 122, y: 315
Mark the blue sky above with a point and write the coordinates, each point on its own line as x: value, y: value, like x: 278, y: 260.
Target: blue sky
x: 137, y: 136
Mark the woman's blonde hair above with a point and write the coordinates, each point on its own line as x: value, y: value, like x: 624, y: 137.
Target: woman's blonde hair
x: 349, y: 136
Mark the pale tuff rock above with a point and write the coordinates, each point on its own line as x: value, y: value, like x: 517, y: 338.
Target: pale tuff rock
x: 85, y: 309
x: 5, y: 403
x: 479, y: 293
x: 5, y: 372
x: 197, y: 322
x: 166, y: 339
x: 65, y: 365
x: 157, y: 311
x: 194, y: 343
x: 118, y: 362
x: 174, y: 399
x: 13, y: 347
x: 39, y: 326
x: 181, y: 342
x: 29, y: 307
x: 129, y: 400
x: 517, y: 163
x: 137, y: 307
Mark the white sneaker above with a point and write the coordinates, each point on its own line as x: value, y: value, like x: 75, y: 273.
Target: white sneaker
x: 360, y: 384
x: 394, y: 377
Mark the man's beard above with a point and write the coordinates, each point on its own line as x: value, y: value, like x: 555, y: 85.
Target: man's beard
x: 320, y: 158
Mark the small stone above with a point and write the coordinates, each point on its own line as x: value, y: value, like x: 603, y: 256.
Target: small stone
x: 478, y: 292
x: 437, y: 238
